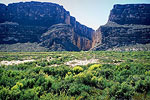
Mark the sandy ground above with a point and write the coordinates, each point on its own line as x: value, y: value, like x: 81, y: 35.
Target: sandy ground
x: 70, y: 63
x: 76, y: 62
x: 15, y: 62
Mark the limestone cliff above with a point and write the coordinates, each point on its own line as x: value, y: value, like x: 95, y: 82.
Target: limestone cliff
x: 51, y: 26
x: 96, y: 38
x: 59, y: 37
x: 28, y: 21
x: 127, y: 25
x: 131, y: 14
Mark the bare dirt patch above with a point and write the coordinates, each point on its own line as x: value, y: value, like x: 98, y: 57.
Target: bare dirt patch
x: 76, y: 62
x: 15, y: 62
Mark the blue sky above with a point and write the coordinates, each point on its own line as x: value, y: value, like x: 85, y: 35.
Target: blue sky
x: 91, y: 13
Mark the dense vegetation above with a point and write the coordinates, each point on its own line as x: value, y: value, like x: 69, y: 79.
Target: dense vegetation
x: 117, y: 75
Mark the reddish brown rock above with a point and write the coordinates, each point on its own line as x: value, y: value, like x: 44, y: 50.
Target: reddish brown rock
x: 81, y: 42
x: 96, y: 39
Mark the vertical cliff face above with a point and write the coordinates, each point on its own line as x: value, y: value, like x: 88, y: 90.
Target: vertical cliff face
x: 131, y: 14
x: 81, y: 42
x: 127, y: 25
x: 59, y: 37
x: 11, y: 33
x: 97, y: 38
x: 36, y: 13
x: 27, y: 21
x: 3, y: 13
x: 52, y: 26
x: 84, y: 37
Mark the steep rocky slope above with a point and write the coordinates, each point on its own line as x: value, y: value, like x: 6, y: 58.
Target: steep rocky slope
x: 59, y: 37
x: 51, y: 26
x: 127, y: 25
x: 28, y: 21
x: 11, y: 32
x: 131, y: 14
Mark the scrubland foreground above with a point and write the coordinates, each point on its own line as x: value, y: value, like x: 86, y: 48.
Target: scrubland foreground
x: 93, y: 75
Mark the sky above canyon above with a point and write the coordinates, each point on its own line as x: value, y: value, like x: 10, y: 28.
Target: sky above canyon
x: 91, y: 13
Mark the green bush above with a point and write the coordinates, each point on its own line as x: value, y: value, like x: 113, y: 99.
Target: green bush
x: 77, y: 89
x: 4, y: 93
x: 77, y: 69
x: 84, y: 77
x: 29, y: 94
x: 123, y: 80
x: 123, y: 91
x: 95, y: 66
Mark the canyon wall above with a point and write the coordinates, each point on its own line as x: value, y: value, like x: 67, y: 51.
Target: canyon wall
x: 130, y: 14
x: 28, y: 21
x: 51, y: 26
x: 127, y: 25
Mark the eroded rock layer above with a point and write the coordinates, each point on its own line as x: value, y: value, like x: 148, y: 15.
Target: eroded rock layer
x: 131, y: 14
x: 127, y: 25
x: 28, y: 21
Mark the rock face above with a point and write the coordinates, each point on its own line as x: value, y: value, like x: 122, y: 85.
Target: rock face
x: 11, y: 33
x: 29, y: 21
x: 35, y: 14
x: 59, y: 37
x: 131, y: 14
x: 3, y: 13
x: 97, y: 37
x: 127, y: 25
x: 51, y: 26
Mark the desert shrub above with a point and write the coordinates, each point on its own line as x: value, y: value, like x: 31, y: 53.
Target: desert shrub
x: 59, y: 70
x: 77, y: 69
x: 123, y: 67
x: 110, y: 66
x: 124, y: 91
x: 17, y: 86
x: 77, y: 89
x: 107, y: 73
x: 1, y: 70
x: 28, y: 83
x: 126, y: 73
x: 4, y: 93
x: 69, y: 78
x: 57, y: 86
x: 95, y: 66
x: 143, y: 85
x: 56, y: 96
x: 48, y: 83
x: 40, y: 80
x: 123, y: 81
x: 84, y: 77
x: 29, y: 94
x: 10, y: 77
x: 16, y: 91
x: 23, y: 66
x: 97, y: 81
x: 141, y: 96
x: 147, y: 73
x: 37, y: 69
x: 42, y: 63
x: 147, y: 67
